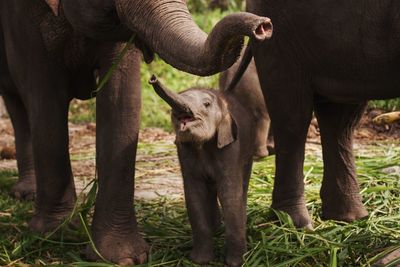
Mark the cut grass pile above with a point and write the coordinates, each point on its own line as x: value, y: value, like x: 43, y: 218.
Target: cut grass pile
x: 165, y: 226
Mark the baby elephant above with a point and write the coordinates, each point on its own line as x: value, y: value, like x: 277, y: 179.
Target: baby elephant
x: 214, y: 138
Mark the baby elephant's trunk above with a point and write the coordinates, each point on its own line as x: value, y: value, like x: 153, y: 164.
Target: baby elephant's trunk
x: 173, y: 99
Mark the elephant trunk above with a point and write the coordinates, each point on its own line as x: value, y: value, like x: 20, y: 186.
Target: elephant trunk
x: 167, y: 27
x: 172, y: 99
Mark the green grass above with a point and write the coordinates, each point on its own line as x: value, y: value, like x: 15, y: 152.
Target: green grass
x: 165, y: 226
x: 387, y: 105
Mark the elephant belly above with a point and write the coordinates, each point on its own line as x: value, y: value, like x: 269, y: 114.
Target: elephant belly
x: 353, y: 91
x: 350, y: 73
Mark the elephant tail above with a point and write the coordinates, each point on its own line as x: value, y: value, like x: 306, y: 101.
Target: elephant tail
x: 244, y: 63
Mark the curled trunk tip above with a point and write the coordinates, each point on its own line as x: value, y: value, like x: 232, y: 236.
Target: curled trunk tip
x: 168, y: 29
x: 264, y: 30
x: 153, y: 79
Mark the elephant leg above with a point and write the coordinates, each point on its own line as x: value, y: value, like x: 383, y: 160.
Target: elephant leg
x: 55, y: 189
x: 262, y: 129
x: 114, y: 226
x: 289, y: 99
x: 42, y: 85
x: 25, y: 188
x: 231, y: 196
x: 340, y: 195
x: 202, y: 208
x: 288, y: 193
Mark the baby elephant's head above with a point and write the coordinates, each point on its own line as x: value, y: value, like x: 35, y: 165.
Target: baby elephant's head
x: 198, y: 115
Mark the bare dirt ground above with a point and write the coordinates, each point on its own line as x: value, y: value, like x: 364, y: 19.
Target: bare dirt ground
x: 157, y: 168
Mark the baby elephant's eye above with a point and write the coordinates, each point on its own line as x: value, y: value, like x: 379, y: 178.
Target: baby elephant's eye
x: 207, y: 104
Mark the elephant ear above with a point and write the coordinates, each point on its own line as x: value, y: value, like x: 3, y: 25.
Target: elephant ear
x: 227, y: 131
x: 54, y: 6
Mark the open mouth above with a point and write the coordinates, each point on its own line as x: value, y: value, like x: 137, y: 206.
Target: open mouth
x: 184, y: 119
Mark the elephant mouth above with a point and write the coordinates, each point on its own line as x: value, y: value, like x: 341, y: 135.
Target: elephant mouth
x: 186, y: 120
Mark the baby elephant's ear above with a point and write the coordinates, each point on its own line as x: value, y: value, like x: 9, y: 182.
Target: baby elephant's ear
x: 227, y: 131
x: 54, y: 5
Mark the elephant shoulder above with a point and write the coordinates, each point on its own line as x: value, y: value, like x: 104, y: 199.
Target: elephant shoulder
x: 55, y: 30
x: 62, y: 43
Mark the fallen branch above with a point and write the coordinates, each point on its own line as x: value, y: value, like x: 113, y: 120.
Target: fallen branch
x: 387, y: 118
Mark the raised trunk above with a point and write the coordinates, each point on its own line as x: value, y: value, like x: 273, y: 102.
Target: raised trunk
x: 168, y: 28
x: 172, y: 99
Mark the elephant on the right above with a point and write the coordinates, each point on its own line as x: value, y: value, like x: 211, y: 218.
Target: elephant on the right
x: 341, y: 54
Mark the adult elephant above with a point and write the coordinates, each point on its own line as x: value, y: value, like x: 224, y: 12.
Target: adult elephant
x: 49, y: 54
x: 347, y: 53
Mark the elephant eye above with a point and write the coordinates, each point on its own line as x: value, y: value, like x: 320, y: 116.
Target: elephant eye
x: 207, y: 104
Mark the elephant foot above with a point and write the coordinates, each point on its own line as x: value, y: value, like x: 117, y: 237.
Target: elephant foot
x: 124, y: 250
x: 299, y: 215
x: 24, y: 190
x: 43, y: 223
x: 234, y: 258
x: 386, y: 260
x: 202, y: 255
x: 346, y: 209
x: 261, y: 152
x: 234, y: 262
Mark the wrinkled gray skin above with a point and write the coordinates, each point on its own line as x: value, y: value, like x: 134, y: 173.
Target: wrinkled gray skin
x: 346, y: 53
x: 48, y: 56
x: 248, y: 93
x: 214, y: 138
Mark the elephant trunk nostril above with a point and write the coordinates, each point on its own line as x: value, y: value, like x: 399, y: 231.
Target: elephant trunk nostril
x: 264, y: 30
x: 172, y: 99
x: 153, y: 79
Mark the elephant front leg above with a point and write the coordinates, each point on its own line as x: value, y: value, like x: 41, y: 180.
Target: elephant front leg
x: 203, y: 212
x: 232, y: 197
x: 290, y: 131
x: 288, y: 192
x: 289, y: 99
x: 114, y: 226
x: 55, y: 196
x: 25, y: 188
x: 340, y: 190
